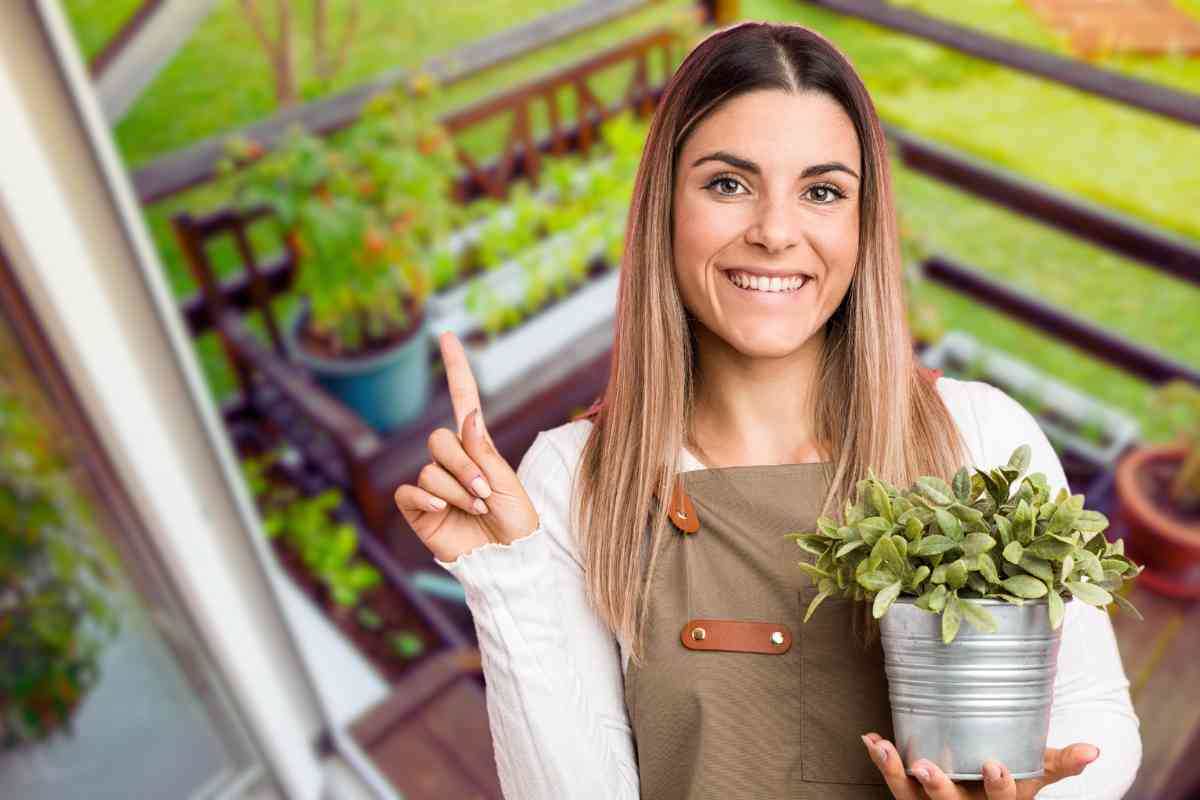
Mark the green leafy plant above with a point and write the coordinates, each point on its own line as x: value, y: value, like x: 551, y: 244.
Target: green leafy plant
x: 362, y: 210
x: 58, y: 580
x: 947, y: 544
x: 328, y: 548
x: 406, y: 644
x: 1179, y: 400
x: 368, y: 618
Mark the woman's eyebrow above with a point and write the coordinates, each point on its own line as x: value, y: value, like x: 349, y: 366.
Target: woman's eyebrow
x: 754, y: 169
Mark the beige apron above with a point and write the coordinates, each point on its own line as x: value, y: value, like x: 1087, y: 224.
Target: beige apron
x: 738, y: 698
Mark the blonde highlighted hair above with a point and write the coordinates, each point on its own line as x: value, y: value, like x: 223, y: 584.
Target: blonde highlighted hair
x: 875, y: 406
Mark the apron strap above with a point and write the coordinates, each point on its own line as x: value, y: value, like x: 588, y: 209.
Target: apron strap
x: 680, y: 510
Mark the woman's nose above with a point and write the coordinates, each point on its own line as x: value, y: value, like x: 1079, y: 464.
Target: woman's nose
x: 777, y: 227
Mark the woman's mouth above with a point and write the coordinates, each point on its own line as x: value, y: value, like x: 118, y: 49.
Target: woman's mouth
x: 764, y: 287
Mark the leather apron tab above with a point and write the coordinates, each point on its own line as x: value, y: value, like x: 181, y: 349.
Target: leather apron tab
x: 681, y: 510
x: 735, y: 635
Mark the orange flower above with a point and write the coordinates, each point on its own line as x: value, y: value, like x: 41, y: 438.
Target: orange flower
x: 375, y: 241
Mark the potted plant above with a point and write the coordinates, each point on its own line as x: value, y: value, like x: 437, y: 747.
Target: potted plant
x: 58, y: 599
x: 363, y: 214
x: 1158, y: 496
x: 937, y: 554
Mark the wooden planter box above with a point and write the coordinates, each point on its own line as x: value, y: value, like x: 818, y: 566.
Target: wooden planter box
x: 389, y: 602
x: 449, y: 301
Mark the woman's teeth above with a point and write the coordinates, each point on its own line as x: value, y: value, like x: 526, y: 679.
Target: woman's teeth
x: 753, y: 283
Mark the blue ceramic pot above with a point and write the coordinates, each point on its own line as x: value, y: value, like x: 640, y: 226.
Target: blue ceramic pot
x: 388, y: 388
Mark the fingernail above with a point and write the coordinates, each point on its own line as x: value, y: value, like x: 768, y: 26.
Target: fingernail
x: 991, y: 773
x: 921, y: 774
x: 481, y: 506
x: 882, y: 753
x: 866, y: 741
x: 437, y: 503
x: 1091, y: 753
x: 481, y: 487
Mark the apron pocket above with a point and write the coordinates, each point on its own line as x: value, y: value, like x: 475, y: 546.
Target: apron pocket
x: 844, y: 694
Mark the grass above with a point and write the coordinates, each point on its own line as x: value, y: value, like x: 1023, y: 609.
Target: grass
x: 199, y: 94
x: 1013, y: 19
x: 1126, y: 297
x: 96, y: 22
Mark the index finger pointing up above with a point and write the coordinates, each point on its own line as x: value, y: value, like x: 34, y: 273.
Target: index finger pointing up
x: 464, y: 393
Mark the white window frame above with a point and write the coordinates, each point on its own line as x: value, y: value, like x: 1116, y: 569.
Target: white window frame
x: 73, y: 230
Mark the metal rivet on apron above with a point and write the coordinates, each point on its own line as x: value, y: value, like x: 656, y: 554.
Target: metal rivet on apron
x: 681, y: 514
x: 697, y: 633
x: 777, y: 637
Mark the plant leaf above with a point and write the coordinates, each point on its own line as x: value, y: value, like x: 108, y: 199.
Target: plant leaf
x: 951, y: 617
x: 1057, y: 609
x: 1090, y: 593
x: 977, y: 615
x: 876, y: 580
x: 976, y: 543
x: 1025, y: 586
x: 929, y: 545
x: 884, y: 599
x: 812, y: 606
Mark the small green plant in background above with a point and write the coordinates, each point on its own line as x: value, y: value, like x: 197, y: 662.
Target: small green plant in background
x: 947, y: 544
x: 361, y: 210
x: 494, y: 313
x: 406, y: 644
x: 1179, y: 402
x: 327, y: 548
x: 368, y: 618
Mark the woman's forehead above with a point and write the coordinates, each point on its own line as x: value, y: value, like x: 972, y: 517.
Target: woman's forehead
x: 779, y: 131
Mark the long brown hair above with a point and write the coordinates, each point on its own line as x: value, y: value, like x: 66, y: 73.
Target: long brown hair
x: 874, y: 407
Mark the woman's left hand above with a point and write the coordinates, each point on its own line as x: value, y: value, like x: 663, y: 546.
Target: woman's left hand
x: 1058, y: 764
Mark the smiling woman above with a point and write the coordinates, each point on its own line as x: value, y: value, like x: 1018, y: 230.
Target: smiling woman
x: 762, y: 366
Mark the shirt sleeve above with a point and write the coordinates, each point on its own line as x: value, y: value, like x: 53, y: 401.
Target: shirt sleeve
x: 1091, y: 693
x: 555, y: 687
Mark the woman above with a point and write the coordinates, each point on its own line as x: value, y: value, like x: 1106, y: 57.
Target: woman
x: 761, y: 336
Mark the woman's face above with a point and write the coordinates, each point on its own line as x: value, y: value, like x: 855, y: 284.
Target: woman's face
x: 767, y: 185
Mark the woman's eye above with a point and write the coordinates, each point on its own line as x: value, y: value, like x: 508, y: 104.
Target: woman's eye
x: 723, y: 179
x: 828, y: 190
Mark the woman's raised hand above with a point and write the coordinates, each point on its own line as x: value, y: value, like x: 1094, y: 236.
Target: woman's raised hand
x: 1058, y: 763
x: 467, y: 495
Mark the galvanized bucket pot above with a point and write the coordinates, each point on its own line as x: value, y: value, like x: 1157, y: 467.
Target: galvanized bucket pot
x: 983, y: 696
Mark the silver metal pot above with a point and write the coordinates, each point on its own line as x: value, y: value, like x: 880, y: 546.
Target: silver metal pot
x: 983, y: 696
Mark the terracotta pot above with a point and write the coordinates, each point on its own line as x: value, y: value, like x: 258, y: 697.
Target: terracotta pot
x: 1166, y: 543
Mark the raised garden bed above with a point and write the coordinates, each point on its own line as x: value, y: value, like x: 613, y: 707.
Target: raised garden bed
x: 1085, y: 429
x: 380, y: 621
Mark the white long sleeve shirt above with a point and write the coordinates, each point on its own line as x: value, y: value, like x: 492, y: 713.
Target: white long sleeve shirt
x: 555, y: 688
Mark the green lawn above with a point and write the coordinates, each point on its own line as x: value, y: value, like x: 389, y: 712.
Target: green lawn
x: 95, y: 22
x: 1012, y: 19
x: 220, y: 80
